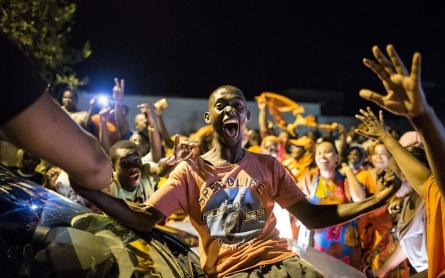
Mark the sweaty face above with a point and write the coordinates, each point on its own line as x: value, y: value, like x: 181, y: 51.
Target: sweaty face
x: 69, y: 101
x: 325, y: 156
x: 128, y: 168
x: 380, y: 157
x: 228, y: 115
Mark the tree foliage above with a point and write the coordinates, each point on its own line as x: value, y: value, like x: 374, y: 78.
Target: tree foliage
x: 42, y: 30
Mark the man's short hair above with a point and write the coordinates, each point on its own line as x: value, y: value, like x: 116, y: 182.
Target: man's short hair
x: 123, y: 144
x: 226, y: 87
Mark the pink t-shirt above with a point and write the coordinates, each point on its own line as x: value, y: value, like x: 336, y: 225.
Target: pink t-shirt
x: 231, y: 208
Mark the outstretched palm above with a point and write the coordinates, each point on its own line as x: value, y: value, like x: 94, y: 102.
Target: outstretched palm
x: 405, y: 95
x: 376, y: 127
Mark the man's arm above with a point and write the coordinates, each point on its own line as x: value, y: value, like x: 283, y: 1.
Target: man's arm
x: 137, y: 216
x: 119, y: 111
x: 310, y: 214
x: 159, y: 111
x: 406, y: 97
x: 153, y: 134
x: 45, y: 130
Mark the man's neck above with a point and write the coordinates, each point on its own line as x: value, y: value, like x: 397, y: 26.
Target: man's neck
x: 220, y: 156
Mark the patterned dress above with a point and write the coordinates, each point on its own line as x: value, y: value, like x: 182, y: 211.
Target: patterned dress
x: 377, y: 234
x: 341, y: 241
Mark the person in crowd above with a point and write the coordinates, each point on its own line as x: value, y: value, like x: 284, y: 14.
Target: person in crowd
x: 253, y: 143
x: 26, y: 167
x: 116, y: 126
x: 42, y: 119
x: 204, y: 139
x: 376, y: 229
x: 405, y: 97
x: 302, y: 157
x: 68, y: 102
x: 411, y: 223
x: 356, y: 158
x: 229, y: 194
x: 47, y: 124
x: 154, y: 152
x: 328, y: 185
x: 273, y: 146
x: 133, y: 180
x: 166, y: 140
x: 411, y: 138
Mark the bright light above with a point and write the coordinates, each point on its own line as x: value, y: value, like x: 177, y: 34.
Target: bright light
x: 102, y: 99
x: 33, y: 207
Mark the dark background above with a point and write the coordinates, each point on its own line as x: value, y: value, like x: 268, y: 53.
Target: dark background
x: 189, y: 48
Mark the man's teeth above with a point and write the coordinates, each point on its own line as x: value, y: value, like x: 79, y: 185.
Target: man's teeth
x: 231, y: 121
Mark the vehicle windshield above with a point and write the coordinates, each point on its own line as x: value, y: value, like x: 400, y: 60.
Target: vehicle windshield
x: 44, y: 233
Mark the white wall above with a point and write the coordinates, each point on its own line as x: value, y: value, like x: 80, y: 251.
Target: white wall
x: 186, y: 115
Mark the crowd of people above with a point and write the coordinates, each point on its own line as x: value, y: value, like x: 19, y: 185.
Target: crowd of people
x: 367, y: 197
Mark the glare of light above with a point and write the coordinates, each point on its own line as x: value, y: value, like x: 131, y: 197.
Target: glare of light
x: 103, y: 99
x: 33, y: 207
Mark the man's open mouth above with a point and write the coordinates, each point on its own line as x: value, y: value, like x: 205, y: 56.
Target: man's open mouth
x: 134, y: 176
x: 231, y: 127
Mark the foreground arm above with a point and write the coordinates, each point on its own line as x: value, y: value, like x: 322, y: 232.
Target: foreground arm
x: 137, y: 216
x: 416, y: 173
x: 333, y: 215
x: 59, y: 140
x: 406, y: 97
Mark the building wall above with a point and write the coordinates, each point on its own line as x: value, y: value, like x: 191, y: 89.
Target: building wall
x: 186, y: 115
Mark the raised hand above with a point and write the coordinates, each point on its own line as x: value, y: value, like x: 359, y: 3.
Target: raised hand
x: 105, y: 114
x: 182, y: 151
x: 145, y: 108
x: 376, y: 127
x: 118, y: 90
x: 387, y: 184
x: 405, y: 95
x: 345, y: 168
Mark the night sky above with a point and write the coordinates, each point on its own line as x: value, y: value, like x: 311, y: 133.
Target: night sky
x: 189, y: 48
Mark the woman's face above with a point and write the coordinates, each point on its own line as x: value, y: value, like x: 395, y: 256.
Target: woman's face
x: 326, y: 156
x: 297, y: 152
x: 380, y: 157
x: 270, y: 148
x: 69, y: 100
